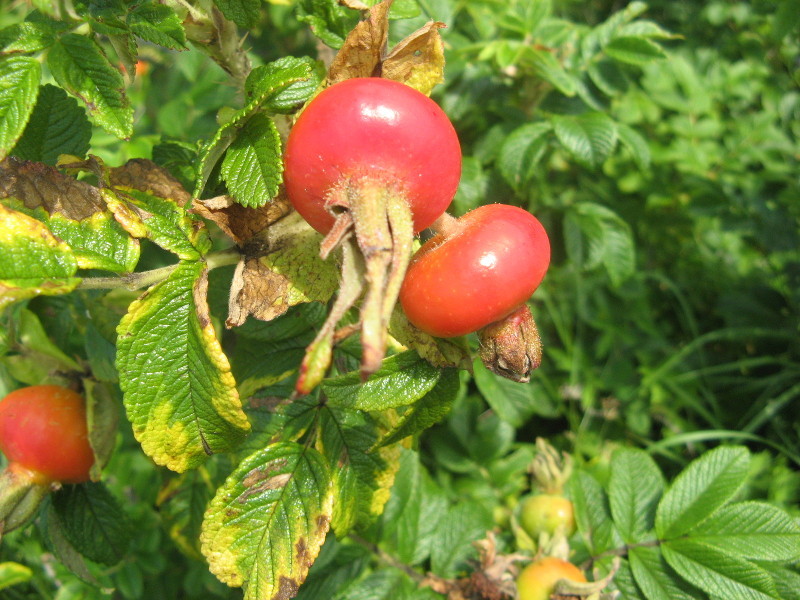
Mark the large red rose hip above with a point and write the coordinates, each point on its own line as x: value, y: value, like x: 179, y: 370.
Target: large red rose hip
x: 43, y: 429
x: 374, y: 128
x: 485, y: 266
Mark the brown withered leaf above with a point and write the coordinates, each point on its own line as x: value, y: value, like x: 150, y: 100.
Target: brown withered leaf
x: 364, y: 48
x: 40, y: 185
x: 418, y: 60
x: 239, y: 222
x: 146, y: 176
x: 281, y: 268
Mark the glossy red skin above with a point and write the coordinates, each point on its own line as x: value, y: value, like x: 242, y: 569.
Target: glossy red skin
x: 482, y: 273
x: 43, y: 428
x: 375, y: 127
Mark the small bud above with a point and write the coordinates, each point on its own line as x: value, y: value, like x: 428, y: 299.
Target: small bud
x: 512, y: 347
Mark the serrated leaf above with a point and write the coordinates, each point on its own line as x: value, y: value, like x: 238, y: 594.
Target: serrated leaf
x: 33, y: 262
x: 634, y: 50
x: 79, y: 66
x: 592, y: 513
x: 252, y: 168
x: 428, y: 410
x: 700, y: 489
x: 57, y: 126
x: 751, y: 530
x: 292, y: 96
x: 12, y: 573
x: 362, y: 474
x: 278, y: 419
x: 401, y: 380
x: 159, y: 24
x: 636, y: 145
x: 245, y: 13
x: 513, y: 402
x: 93, y: 521
x: 590, y: 137
x: 521, y: 152
x: 102, y: 418
x: 457, y: 530
x: 19, y: 86
x: 267, y: 522
x: 597, y: 236
x: 635, y: 487
x: 547, y: 67
x: 719, y: 574
x: 328, y: 20
x: 29, y: 36
x: 57, y: 543
x: 656, y: 578
x: 408, y: 525
x: 268, y: 85
x: 180, y: 395
x: 165, y: 222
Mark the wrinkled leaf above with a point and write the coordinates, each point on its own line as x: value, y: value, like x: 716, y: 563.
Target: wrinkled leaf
x: 19, y: 86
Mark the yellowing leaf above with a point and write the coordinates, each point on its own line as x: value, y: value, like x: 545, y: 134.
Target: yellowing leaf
x: 418, y: 60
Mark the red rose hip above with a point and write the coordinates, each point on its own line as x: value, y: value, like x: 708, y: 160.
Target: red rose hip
x: 485, y: 266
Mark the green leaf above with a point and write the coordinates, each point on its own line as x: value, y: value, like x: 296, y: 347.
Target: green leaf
x: 29, y: 36
x: 252, y: 168
x: 292, y: 96
x: 93, y: 521
x: 590, y: 137
x: 719, y: 574
x: 245, y: 13
x: 513, y: 402
x: 268, y: 86
x: 79, y: 66
x: 57, y: 126
x: 428, y: 410
x: 521, y: 152
x: 708, y: 483
x: 278, y: 419
x: 180, y: 395
x: 592, y: 513
x: 596, y: 236
x: 656, y: 578
x: 634, y: 489
x: 99, y: 241
x: 33, y: 262
x: 158, y: 23
x: 751, y: 530
x: 166, y: 223
x: 266, y: 524
x: 12, y: 573
x: 182, y: 504
x: 19, y: 86
x: 362, y: 475
x: 401, y: 380
x: 546, y: 65
x: 409, y: 522
x: 636, y: 145
x: 328, y: 20
x: 452, y: 546
x: 634, y: 50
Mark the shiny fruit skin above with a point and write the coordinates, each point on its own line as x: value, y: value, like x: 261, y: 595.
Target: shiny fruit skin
x: 547, y: 513
x: 492, y: 263
x: 538, y: 580
x: 377, y: 128
x: 43, y: 428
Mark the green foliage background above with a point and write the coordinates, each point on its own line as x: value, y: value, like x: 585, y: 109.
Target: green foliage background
x: 666, y: 172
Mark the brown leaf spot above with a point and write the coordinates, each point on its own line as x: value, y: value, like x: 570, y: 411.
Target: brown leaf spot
x: 323, y: 523
x: 287, y: 589
x: 303, y: 557
x: 146, y: 176
x: 200, y: 295
x: 40, y: 185
x: 256, y: 290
